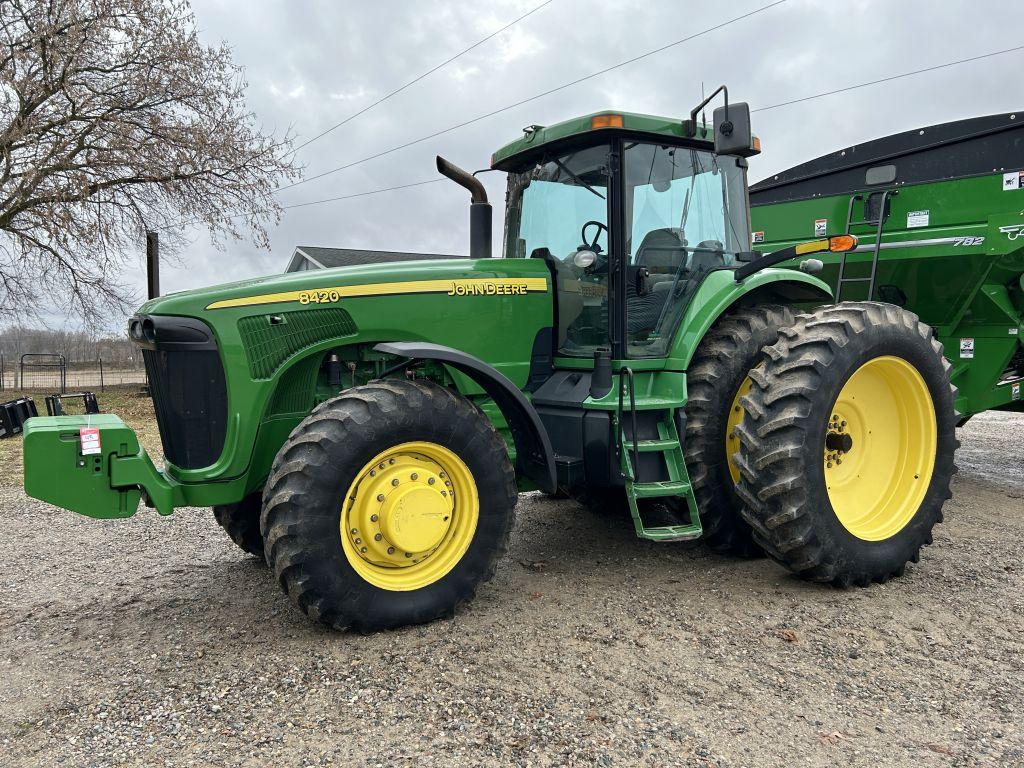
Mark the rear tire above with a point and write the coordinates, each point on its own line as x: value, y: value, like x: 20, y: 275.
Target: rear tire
x: 719, y: 368
x: 326, y: 477
x: 242, y: 522
x: 847, y: 443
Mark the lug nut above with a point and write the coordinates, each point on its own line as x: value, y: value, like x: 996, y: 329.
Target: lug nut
x: 408, y: 554
x: 359, y: 541
x: 373, y: 473
x: 355, y: 531
x: 380, y: 497
x: 377, y: 537
x: 442, y: 474
x: 381, y: 465
x: 395, y: 481
x: 444, y: 493
x: 431, y: 481
x: 373, y: 518
x: 391, y: 550
x: 363, y: 550
x: 391, y: 461
x: 414, y: 476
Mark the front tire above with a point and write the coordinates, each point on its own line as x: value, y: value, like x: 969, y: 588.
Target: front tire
x: 847, y: 445
x: 242, y: 523
x: 388, y: 506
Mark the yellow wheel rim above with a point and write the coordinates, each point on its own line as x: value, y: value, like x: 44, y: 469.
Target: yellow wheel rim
x: 880, y: 448
x: 409, y: 516
x: 732, y: 442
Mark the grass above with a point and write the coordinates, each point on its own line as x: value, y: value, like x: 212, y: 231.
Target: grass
x: 134, y: 408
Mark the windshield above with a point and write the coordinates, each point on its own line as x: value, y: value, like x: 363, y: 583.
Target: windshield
x: 686, y: 214
x: 557, y: 209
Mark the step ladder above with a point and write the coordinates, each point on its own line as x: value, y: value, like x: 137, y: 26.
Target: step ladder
x: 668, y: 444
x: 883, y: 215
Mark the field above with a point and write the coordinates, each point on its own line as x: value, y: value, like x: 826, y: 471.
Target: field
x: 156, y: 642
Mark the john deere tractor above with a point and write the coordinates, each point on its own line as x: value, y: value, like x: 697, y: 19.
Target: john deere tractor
x: 367, y: 429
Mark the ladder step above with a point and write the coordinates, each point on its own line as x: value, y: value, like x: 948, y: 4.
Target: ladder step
x: 660, y: 489
x: 672, y: 533
x: 649, y: 446
x: 856, y: 279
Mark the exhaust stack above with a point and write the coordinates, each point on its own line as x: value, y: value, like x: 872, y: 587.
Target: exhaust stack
x: 479, y: 208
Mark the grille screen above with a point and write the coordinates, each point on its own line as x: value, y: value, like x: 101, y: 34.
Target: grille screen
x: 269, y: 340
x: 191, y: 402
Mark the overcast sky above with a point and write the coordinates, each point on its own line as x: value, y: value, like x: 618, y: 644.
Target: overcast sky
x: 311, y: 64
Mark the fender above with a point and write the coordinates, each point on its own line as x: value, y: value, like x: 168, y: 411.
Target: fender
x: 535, y: 458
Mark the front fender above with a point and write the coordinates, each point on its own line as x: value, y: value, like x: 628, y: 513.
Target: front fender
x: 535, y: 458
x: 720, y: 291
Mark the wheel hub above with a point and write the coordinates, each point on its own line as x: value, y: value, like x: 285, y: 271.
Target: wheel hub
x: 402, y: 511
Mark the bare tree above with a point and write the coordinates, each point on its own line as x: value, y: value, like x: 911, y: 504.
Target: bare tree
x: 115, y: 119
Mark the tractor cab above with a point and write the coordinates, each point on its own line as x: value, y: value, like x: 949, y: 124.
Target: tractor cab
x: 630, y: 214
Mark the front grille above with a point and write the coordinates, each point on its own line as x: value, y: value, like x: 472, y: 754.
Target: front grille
x: 190, y: 397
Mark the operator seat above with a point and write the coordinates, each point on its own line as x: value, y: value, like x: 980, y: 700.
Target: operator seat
x: 660, y: 252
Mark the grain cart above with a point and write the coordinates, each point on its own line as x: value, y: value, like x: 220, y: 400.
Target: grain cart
x: 366, y: 429
x: 940, y: 216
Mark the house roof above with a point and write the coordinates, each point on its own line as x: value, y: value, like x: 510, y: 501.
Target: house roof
x: 343, y: 257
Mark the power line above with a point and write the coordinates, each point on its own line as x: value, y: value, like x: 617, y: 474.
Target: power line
x: 889, y: 79
x: 534, y: 98
x: 309, y: 202
x: 415, y: 80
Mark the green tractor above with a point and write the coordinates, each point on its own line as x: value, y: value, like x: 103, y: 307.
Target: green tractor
x: 367, y: 429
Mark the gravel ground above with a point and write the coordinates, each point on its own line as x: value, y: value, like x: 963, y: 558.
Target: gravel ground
x: 153, y: 642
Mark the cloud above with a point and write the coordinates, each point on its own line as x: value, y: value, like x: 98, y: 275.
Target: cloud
x: 313, y: 64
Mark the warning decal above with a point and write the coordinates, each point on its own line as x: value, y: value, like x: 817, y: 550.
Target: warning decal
x: 820, y: 227
x: 90, y: 437
x: 1013, y: 180
x: 917, y: 219
x: 966, y: 348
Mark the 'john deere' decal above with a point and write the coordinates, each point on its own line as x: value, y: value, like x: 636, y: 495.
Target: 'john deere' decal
x: 475, y: 286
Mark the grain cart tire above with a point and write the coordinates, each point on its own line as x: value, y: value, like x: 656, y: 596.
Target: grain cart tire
x: 242, y: 522
x: 847, y: 444
x: 716, y: 379
x: 388, y: 506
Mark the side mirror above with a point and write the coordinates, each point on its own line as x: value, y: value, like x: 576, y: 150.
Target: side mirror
x: 733, y: 135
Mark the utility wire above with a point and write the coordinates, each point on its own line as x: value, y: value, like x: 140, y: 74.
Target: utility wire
x: 415, y: 80
x: 534, y: 98
x: 758, y: 109
x: 889, y: 79
x: 177, y: 224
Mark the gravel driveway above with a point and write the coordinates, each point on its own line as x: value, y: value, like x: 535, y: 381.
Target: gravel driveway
x: 153, y: 642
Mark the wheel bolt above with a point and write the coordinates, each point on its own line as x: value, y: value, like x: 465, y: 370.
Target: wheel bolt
x: 363, y: 550
x: 373, y: 473
x: 408, y: 554
x: 373, y: 518
x: 391, y: 461
x: 395, y: 481
x: 359, y: 541
x: 444, y: 493
x: 414, y: 476
x: 381, y: 465
x: 380, y: 497
x: 355, y: 531
x: 391, y: 550
x: 442, y: 474
x: 839, y: 461
x: 430, y: 481
x: 377, y: 537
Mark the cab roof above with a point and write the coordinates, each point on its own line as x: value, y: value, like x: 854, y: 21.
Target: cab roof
x: 536, y: 138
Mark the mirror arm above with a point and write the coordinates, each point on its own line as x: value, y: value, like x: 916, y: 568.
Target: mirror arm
x: 690, y: 126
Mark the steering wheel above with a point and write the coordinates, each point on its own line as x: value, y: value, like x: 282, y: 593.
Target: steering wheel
x: 592, y: 246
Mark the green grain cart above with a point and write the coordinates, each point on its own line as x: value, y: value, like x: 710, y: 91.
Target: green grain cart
x: 939, y: 213
x: 366, y: 429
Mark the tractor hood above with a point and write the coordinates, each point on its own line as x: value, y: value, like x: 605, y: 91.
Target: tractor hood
x: 278, y: 289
